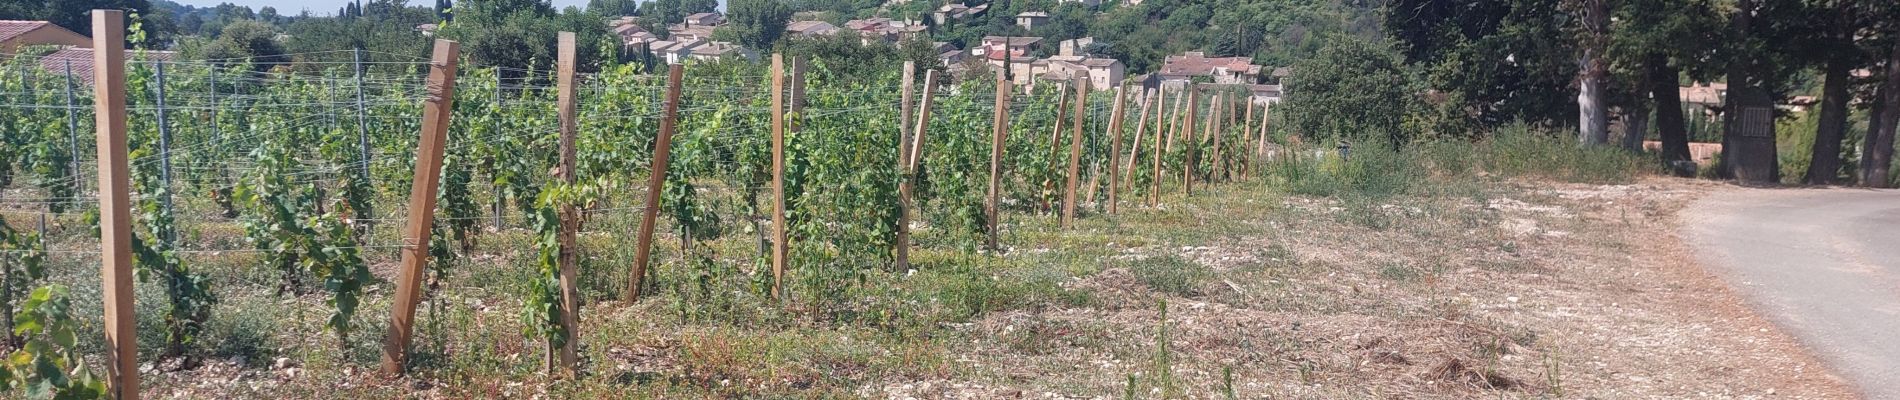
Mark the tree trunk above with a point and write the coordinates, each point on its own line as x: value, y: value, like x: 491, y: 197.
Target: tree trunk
x: 1825, y: 164
x: 1670, y: 128
x: 1877, y: 156
x: 1593, y: 118
x: 1636, y: 126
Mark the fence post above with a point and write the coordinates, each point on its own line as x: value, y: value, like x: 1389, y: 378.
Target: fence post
x: 436, y: 111
x: 656, y: 181
x: 362, y: 128
x: 1075, y: 151
x: 72, y: 129
x: 1220, y: 116
x: 779, y: 245
x: 1141, y: 125
x: 115, y: 212
x: 999, y: 129
x: 1189, y: 143
x: 1266, y: 115
x: 1154, y: 193
x: 1246, y: 126
x: 1115, y: 147
x: 923, y: 124
x: 496, y: 208
x: 164, y: 146
x: 570, y: 218
x: 901, y: 250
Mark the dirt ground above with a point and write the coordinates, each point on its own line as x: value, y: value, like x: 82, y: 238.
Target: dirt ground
x: 1539, y: 290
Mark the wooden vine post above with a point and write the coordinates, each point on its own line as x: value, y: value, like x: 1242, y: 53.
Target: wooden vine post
x: 115, y: 208
x: 1246, y: 127
x: 1075, y: 150
x: 901, y: 247
x: 570, y: 217
x: 999, y: 129
x: 1141, y: 126
x: 415, y: 254
x: 779, y: 245
x: 656, y: 181
x: 923, y: 124
x: 1154, y: 193
x: 906, y: 188
x: 1266, y: 115
x: 1188, y: 143
x: 1217, y: 167
x: 1114, y: 147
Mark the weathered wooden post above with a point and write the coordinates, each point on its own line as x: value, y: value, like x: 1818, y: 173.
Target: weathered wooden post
x: 1154, y: 193
x: 1188, y: 142
x: 906, y: 189
x: 901, y: 248
x: 415, y: 256
x: 570, y: 217
x: 1141, y: 125
x: 999, y: 130
x: 779, y: 244
x: 656, y: 181
x: 115, y: 199
x: 1075, y: 150
x: 1114, y: 147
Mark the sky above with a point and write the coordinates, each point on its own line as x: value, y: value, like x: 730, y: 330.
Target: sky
x: 326, y: 7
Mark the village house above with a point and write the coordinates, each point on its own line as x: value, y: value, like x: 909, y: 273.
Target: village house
x: 1074, y: 47
x: 79, y: 61
x: 427, y: 30
x: 689, y: 33
x: 706, y: 19
x: 1090, y: 3
x: 956, y: 11
x: 810, y: 29
x: 633, y: 35
x: 1029, y: 20
x: 887, y: 30
x: 716, y: 51
x: 1103, y: 73
x: 16, y: 34
x: 673, y: 51
x: 1176, y: 70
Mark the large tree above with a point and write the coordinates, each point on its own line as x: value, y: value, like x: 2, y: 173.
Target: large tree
x: 1593, y: 70
x: 755, y: 24
x: 1353, y: 89
x: 1655, y: 44
x: 1503, y: 61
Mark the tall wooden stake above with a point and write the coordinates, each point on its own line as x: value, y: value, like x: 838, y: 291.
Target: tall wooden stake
x: 901, y: 249
x: 570, y: 217
x: 1216, y: 166
x: 1188, y: 143
x: 1075, y: 150
x: 115, y: 197
x: 415, y: 257
x: 656, y: 181
x: 164, y: 145
x: 72, y: 125
x: 779, y: 244
x: 999, y: 130
x: 1114, y: 147
x: 923, y: 123
x: 1266, y: 116
x: 1141, y: 126
x: 1154, y: 192
x: 1246, y: 126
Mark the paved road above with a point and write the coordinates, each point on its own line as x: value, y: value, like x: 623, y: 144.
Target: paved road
x: 1823, y: 264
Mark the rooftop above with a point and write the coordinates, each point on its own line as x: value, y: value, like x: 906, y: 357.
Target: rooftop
x: 80, y: 59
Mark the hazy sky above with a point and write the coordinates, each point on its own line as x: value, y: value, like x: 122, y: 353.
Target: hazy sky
x: 327, y: 7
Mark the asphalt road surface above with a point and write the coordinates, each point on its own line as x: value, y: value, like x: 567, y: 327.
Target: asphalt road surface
x: 1823, y: 264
